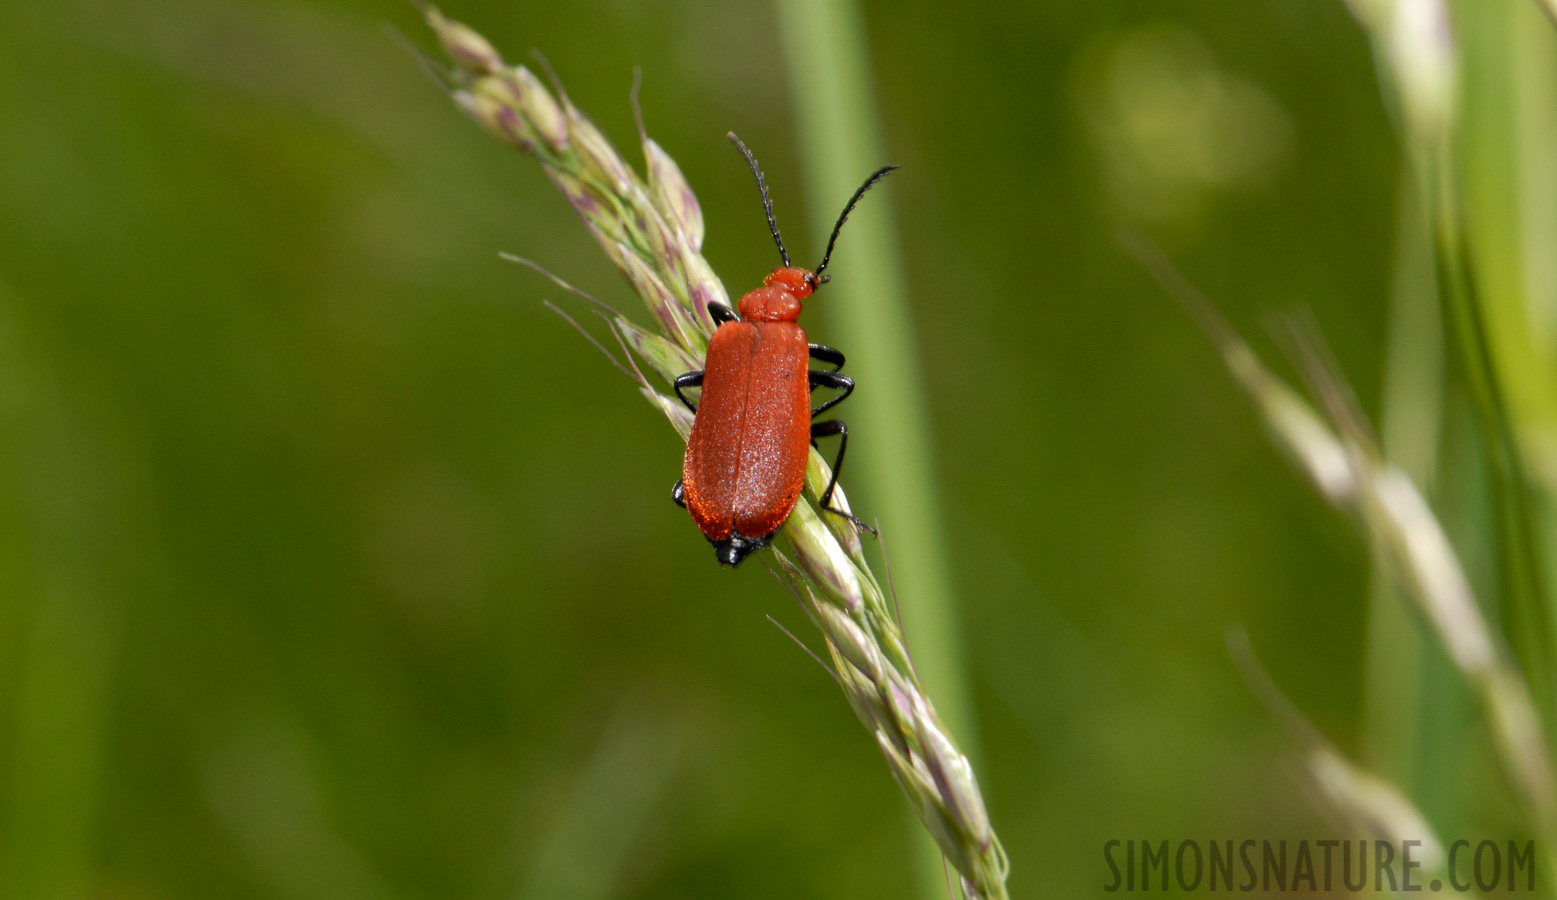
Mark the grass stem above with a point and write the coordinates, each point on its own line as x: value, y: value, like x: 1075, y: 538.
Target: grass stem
x: 825, y: 46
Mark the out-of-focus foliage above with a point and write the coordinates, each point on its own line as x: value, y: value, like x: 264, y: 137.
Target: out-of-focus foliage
x: 333, y: 565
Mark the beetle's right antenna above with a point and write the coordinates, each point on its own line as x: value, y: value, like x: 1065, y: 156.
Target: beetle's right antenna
x: 767, y: 204
x: 844, y: 217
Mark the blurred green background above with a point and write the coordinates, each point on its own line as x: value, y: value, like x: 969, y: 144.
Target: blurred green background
x: 334, y: 565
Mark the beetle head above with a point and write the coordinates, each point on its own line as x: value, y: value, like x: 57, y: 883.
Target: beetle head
x: 797, y: 281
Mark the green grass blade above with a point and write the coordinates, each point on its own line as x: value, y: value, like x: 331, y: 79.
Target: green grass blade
x: 867, y: 309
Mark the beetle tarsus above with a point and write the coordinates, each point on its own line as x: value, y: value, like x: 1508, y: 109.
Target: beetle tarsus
x: 678, y: 494
x: 721, y: 314
x: 828, y: 429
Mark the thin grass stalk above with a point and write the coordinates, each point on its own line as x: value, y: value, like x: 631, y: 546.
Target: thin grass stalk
x: 827, y: 57
x: 1505, y: 158
x: 1520, y: 573
x: 1417, y: 57
x: 1393, y: 729
x: 1534, y: 114
x: 652, y: 229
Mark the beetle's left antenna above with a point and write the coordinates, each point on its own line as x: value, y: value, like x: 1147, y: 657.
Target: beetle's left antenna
x: 767, y: 204
x: 844, y: 217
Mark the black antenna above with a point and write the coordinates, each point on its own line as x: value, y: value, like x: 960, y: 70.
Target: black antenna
x: 767, y: 205
x: 869, y: 183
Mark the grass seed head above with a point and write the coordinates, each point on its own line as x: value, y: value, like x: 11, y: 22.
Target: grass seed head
x: 1420, y: 42
x: 851, y: 641
x: 954, y: 781
x: 468, y: 50
x: 1401, y: 523
x: 540, y: 109
x: 672, y: 195
x: 652, y: 230
x: 672, y: 315
x: 1297, y: 428
x: 703, y: 286
x: 1373, y: 806
x: 1424, y: 558
x: 492, y: 104
x: 823, y: 559
x: 597, y: 153
x: 666, y: 358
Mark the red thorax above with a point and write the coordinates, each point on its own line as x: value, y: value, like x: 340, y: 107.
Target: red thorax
x: 778, y: 300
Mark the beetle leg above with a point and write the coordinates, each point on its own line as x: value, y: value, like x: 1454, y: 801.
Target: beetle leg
x: 722, y: 314
x: 830, y: 380
x: 827, y: 354
x: 686, y: 380
x: 678, y: 494
x: 828, y: 429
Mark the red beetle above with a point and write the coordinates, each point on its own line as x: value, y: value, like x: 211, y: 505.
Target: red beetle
x: 746, y: 458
